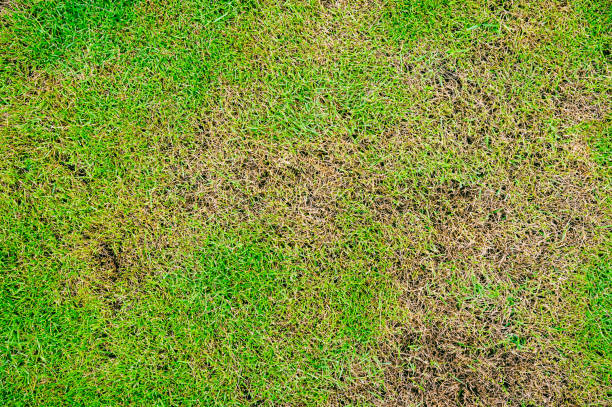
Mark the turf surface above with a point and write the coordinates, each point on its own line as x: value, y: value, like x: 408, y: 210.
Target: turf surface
x: 370, y: 202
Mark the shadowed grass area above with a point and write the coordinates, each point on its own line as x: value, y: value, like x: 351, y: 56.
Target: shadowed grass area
x: 255, y: 202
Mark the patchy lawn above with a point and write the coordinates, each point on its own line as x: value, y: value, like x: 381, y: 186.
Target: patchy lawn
x: 305, y: 202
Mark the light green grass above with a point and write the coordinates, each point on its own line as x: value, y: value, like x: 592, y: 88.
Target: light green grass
x: 304, y: 202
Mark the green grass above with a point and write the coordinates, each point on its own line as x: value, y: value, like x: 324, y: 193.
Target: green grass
x: 304, y: 202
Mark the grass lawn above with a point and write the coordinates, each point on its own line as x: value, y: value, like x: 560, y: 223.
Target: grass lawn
x: 305, y: 202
